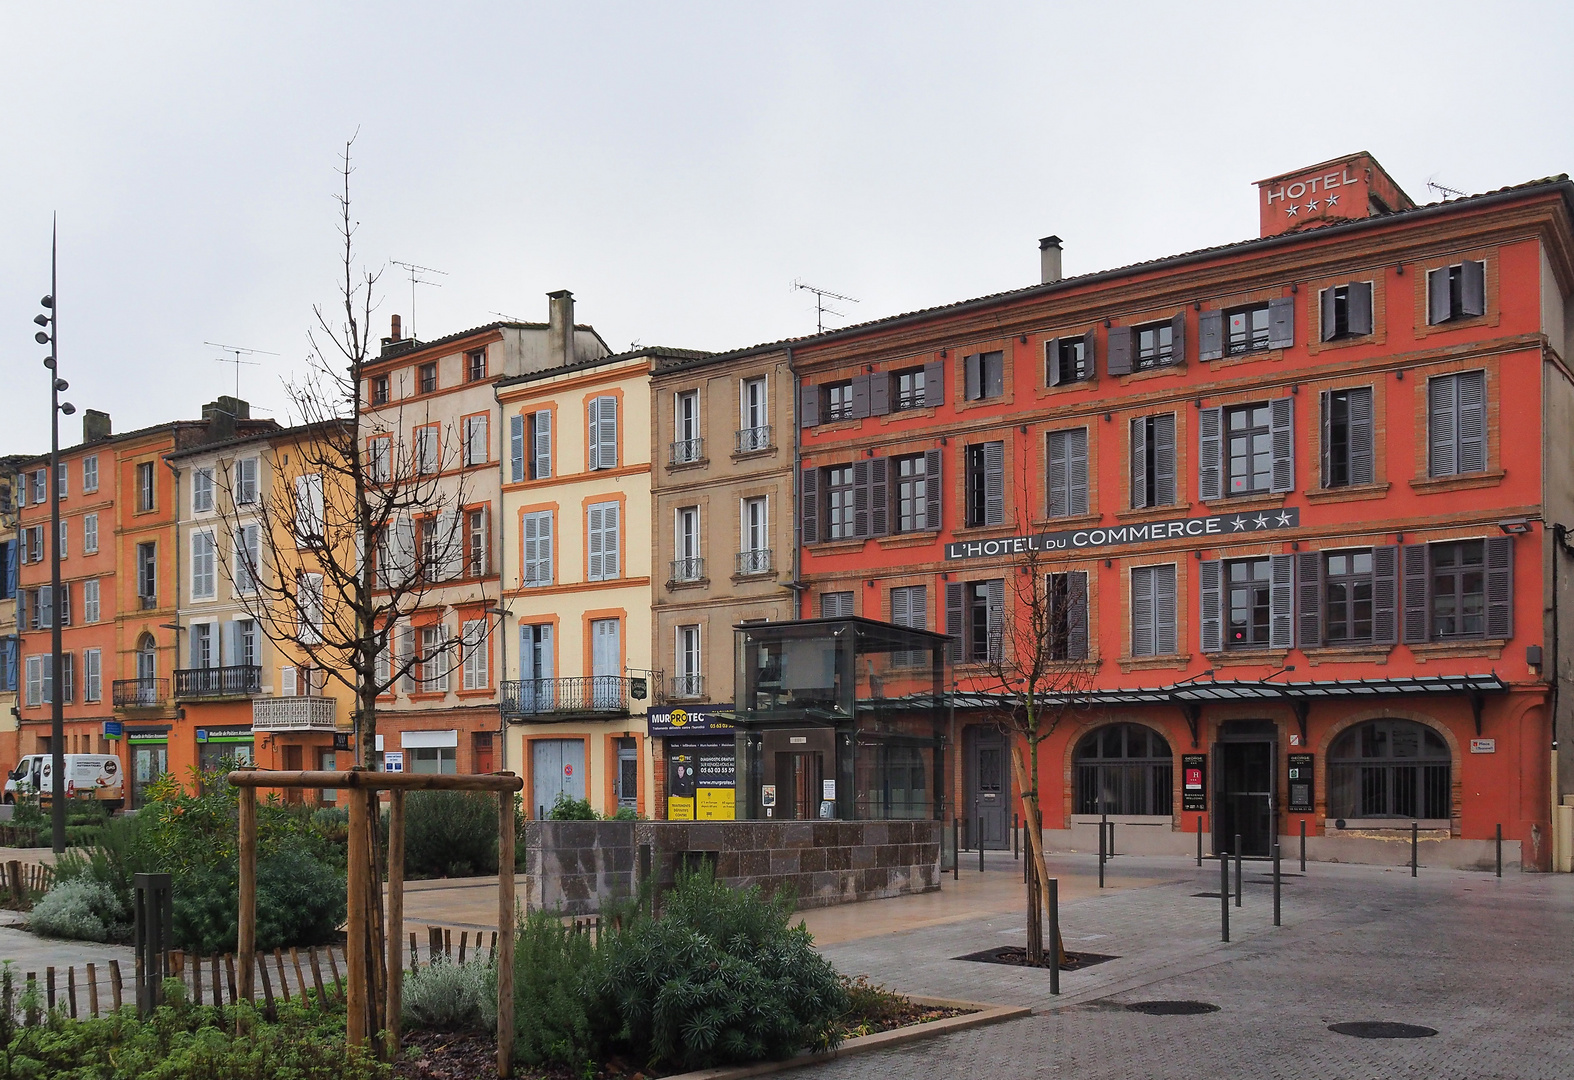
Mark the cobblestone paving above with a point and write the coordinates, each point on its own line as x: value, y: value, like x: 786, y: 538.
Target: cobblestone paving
x: 1483, y: 961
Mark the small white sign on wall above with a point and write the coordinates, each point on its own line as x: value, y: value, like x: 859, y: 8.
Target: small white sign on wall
x: 393, y: 761
x: 1483, y: 746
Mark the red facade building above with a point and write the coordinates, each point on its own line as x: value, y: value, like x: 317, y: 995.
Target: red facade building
x: 1301, y: 501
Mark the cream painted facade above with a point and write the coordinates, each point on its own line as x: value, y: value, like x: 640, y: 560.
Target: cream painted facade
x: 577, y: 571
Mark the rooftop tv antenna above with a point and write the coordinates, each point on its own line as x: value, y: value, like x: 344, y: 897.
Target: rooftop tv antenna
x: 820, y: 310
x: 415, y: 271
x: 236, y: 360
x: 1452, y: 193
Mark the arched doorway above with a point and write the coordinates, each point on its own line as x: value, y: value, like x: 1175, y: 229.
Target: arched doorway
x: 1124, y: 769
x: 1390, y: 768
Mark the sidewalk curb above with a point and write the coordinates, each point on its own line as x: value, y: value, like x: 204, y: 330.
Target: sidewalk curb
x: 986, y: 1014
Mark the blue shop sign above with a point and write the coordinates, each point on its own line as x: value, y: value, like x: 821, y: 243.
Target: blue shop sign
x: 667, y: 721
x: 113, y: 729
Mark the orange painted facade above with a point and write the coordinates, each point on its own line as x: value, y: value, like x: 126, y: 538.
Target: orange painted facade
x: 1490, y: 743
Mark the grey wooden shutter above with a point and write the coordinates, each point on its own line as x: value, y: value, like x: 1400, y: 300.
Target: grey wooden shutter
x: 1473, y: 288
x: 516, y: 447
x: 1329, y: 321
x: 1442, y: 457
x: 611, y: 542
x: 1139, y: 461
x: 953, y: 618
x: 1438, y: 306
x: 1117, y: 355
x: 1363, y: 456
x: 1077, y: 462
x: 1210, y: 454
x: 861, y: 498
x: 530, y: 547
x: 1281, y: 601
x: 932, y: 489
x: 1385, y: 594
x: 879, y: 497
x: 1472, y: 421
x: 995, y: 617
x: 1089, y: 370
x: 1178, y: 339
x: 1358, y: 308
x: 1052, y: 362
x: 1417, y: 593
x: 879, y: 393
x: 900, y: 608
x: 1056, y: 472
x: 542, y: 450
x: 934, y: 384
x: 860, y: 397
x: 1500, y: 587
x: 595, y: 526
x: 1210, y: 593
x: 1142, y: 637
x: 1210, y: 335
x: 593, y: 441
x: 1281, y: 322
x: 809, y: 507
x: 1077, y: 615
x: 1163, y: 459
x: 917, y: 614
x: 1309, y: 608
x: 808, y: 406
x: 994, y: 374
x: 1281, y: 427
x: 609, y: 432
x: 1164, y: 611
x: 972, y: 377
x: 544, y: 561
x: 1325, y: 438
x: 994, y: 483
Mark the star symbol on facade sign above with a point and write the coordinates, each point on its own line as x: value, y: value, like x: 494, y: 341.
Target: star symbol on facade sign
x: 1237, y: 524
x: 1261, y: 522
x: 1311, y: 205
x: 1332, y: 199
x: 1284, y: 519
x: 1291, y: 210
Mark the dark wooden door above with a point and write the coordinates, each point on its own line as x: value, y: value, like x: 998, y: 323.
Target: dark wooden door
x: 1244, y: 797
x: 988, y: 790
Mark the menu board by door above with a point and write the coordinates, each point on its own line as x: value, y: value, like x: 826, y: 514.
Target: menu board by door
x: 1194, y: 783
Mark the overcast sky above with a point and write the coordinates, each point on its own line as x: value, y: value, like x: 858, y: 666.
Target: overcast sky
x: 679, y: 166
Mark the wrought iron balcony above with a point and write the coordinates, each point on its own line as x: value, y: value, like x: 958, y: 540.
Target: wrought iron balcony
x: 757, y: 561
x: 688, y: 570
x: 688, y: 686
x: 524, y: 698
x: 752, y: 439
x: 243, y: 680
x: 140, y: 693
x: 686, y: 451
x: 293, y: 714
x: 148, y: 602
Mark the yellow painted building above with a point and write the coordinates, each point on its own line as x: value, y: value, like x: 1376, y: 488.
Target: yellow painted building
x: 577, y: 582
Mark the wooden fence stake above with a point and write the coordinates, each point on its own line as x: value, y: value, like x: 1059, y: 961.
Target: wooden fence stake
x: 246, y: 935
x: 229, y: 974
x: 114, y: 984
x: 356, y: 936
x: 415, y: 956
x: 218, y: 982
x: 196, y: 980
x: 92, y: 991
x: 32, y: 1010
x: 300, y: 977
x: 284, y: 982
x: 395, y: 1003
x: 322, y: 995
x: 505, y: 925
x: 71, y: 990
x: 267, y: 989
x: 49, y: 984
x: 464, y: 937
x: 333, y: 969
x: 434, y: 943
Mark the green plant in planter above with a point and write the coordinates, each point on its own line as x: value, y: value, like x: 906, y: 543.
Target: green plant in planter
x: 567, y: 809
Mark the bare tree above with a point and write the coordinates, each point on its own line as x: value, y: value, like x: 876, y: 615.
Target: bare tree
x: 1038, y: 673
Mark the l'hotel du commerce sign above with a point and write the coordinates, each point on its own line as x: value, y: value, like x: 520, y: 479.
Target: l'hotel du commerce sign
x: 1220, y: 526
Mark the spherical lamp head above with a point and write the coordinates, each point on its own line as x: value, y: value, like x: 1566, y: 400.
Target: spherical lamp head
x: 48, y: 302
x: 41, y: 337
x: 67, y: 408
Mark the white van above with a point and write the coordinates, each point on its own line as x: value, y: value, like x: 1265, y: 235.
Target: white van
x: 88, y: 776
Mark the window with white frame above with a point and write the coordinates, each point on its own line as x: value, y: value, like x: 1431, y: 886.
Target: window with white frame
x: 308, y: 608
x: 309, y: 524
x: 92, y: 675
x: 689, y: 681
x: 426, y: 450
x: 65, y: 539
x: 204, y: 654
x: 603, y: 419
x: 202, y: 490
x: 89, y: 534
x: 686, y: 443
x: 90, y: 473
x: 477, y: 646
x: 90, y: 609
x: 62, y: 479
x: 145, y: 487
x: 245, y: 481
x: 687, y: 566
x: 380, y: 449
x: 605, y: 539
x: 536, y: 541
x: 477, y: 450
x: 477, y: 543
x: 434, y: 659
x: 248, y: 558
x: 41, y: 492
x: 246, y: 652
x: 755, y: 550
x: 204, y: 565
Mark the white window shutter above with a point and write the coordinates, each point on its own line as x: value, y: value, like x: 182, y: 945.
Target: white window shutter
x: 287, y: 680
x: 594, y: 440
x: 486, y: 540
x: 593, y: 529
x: 610, y: 542
x: 543, y: 444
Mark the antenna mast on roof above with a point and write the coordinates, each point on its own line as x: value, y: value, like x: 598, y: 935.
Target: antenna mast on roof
x: 415, y: 270
x: 237, y: 361
x: 820, y: 310
x: 1452, y: 193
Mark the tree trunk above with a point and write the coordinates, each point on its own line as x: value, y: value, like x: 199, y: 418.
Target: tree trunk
x: 1035, y: 834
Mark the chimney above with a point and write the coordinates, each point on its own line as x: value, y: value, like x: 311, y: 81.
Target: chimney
x: 220, y: 416
x: 393, y: 334
x: 394, y: 338
x: 560, y: 328
x: 95, y: 426
x: 1049, y: 260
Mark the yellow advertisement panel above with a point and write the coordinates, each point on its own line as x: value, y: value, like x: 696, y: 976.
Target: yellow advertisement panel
x: 680, y: 809
x: 716, y: 804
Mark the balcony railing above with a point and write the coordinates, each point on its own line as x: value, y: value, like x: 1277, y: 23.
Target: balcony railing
x: 688, y: 570
x: 293, y: 714
x: 140, y: 693
x: 148, y: 602
x: 688, y: 686
x: 751, y: 439
x: 593, y: 694
x: 686, y: 451
x: 757, y: 561
x: 244, y: 680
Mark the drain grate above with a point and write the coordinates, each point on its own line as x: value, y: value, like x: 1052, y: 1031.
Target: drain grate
x: 1172, y: 1008
x: 1016, y: 956
x: 1383, y: 1029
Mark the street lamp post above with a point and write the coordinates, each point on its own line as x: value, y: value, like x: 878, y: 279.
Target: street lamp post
x: 57, y: 717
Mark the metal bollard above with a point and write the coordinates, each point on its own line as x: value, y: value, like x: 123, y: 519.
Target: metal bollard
x: 1101, y: 855
x: 1415, y: 838
x: 1199, y: 839
x: 1224, y: 895
x: 1111, y: 827
x: 1303, y: 845
x: 1237, y: 869
x: 1500, y: 851
x: 1054, y: 935
x: 152, y: 902
x: 1276, y: 883
x: 1016, y: 835
x: 956, y: 852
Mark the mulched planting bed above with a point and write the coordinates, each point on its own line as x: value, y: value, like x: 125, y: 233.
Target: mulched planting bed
x: 1016, y: 956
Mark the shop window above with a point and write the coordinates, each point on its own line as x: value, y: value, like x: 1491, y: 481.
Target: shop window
x: 432, y: 760
x: 1124, y: 769
x: 1390, y: 769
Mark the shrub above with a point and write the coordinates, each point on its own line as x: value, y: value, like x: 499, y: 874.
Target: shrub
x: 720, y: 978
x: 83, y: 909
x: 566, y: 809
x: 300, y: 901
x: 559, y: 1018
x: 451, y: 997
x: 450, y: 834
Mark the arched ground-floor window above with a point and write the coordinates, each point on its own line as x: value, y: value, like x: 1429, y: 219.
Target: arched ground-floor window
x: 1124, y: 769
x: 1389, y: 769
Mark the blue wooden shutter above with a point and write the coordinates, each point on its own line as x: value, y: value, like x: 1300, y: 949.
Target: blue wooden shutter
x: 809, y: 507
x: 1056, y: 474
x: 809, y: 406
x: 1139, y: 461
x: 594, y: 526
x: 516, y: 447
x: 1077, y: 615
x: 953, y: 619
x: 934, y: 384
x: 611, y: 542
